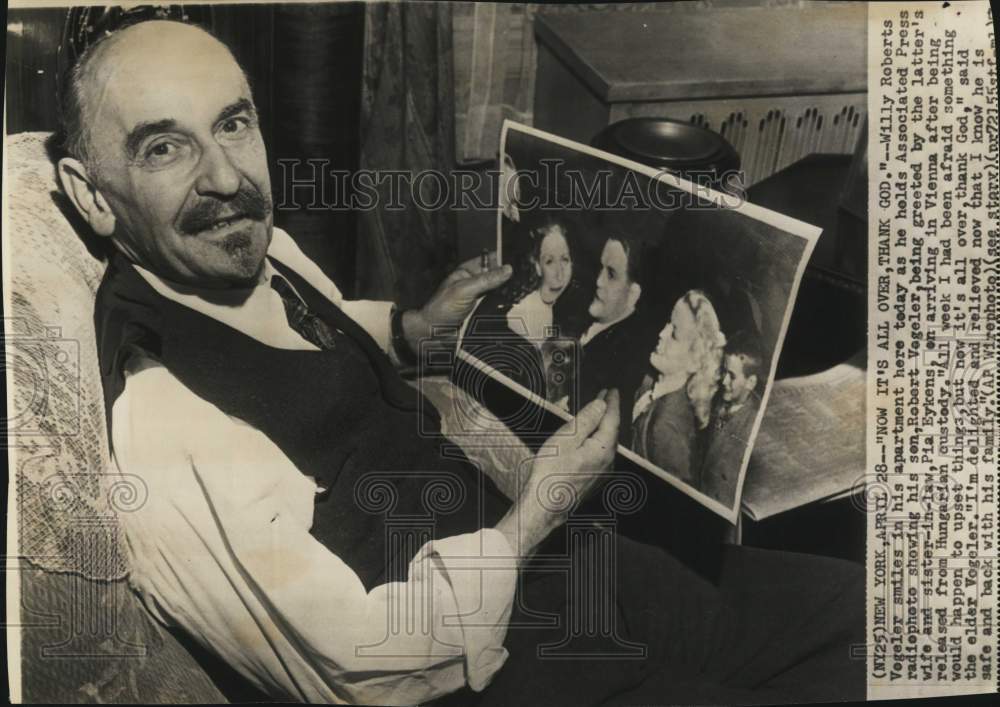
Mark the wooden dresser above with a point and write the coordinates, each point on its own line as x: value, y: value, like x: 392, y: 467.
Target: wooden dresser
x: 778, y: 82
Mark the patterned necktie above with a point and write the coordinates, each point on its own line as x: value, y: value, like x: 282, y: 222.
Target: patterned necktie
x: 305, y: 323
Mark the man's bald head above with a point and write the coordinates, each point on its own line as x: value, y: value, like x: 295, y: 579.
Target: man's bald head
x: 155, y: 39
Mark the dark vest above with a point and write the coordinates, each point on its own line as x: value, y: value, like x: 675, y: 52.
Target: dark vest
x: 342, y: 416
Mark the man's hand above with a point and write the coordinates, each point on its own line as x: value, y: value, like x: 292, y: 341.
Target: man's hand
x: 562, y: 473
x: 453, y: 301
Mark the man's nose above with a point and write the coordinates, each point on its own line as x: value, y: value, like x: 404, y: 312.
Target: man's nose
x: 219, y: 175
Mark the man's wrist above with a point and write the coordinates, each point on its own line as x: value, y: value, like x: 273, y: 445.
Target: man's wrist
x: 525, y: 526
x: 415, y: 329
x: 405, y: 347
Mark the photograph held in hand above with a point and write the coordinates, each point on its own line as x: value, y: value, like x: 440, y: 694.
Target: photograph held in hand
x: 673, y: 294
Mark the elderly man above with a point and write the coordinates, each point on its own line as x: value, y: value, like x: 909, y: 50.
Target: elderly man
x: 264, y: 414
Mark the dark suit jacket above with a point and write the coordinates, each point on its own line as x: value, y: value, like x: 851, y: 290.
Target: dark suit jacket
x: 727, y: 443
x: 618, y: 357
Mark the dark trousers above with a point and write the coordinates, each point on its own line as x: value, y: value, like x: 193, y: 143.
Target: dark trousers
x: 775, y: 628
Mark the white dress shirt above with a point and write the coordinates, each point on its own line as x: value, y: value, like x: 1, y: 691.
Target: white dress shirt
x: 222, y: 548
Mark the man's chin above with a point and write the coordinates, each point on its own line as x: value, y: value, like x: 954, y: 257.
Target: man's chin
x: 243, y: 253
x: 247, y: 266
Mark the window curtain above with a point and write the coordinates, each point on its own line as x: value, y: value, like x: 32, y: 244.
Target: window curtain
x: 407, y: 124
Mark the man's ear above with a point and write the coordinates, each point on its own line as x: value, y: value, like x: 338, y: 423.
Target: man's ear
x: 752, y: 382
x: 86, y: 197
x: 634, y: 293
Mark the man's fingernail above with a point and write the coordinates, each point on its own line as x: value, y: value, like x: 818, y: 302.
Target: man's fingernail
x: 603, y: 394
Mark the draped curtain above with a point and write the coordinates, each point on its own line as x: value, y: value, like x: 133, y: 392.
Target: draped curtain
x: 407, y: 124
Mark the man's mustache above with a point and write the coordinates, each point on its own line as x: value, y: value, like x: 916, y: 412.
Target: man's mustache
x: 248, y: 202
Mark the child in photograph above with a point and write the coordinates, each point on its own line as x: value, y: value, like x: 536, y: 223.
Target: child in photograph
x: 732, y: 418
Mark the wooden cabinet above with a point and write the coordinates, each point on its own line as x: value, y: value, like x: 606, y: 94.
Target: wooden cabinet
x: 778, y: 82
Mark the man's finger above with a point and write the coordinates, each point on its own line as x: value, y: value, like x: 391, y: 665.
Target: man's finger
x: 606, y: 435
x: 588, y: 419
x: 480, y: 284
x: 457, y: 275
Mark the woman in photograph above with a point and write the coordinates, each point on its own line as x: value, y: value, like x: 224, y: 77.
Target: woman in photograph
x: 531, y: 307
x: 673, y: 407
x: 550, y: 272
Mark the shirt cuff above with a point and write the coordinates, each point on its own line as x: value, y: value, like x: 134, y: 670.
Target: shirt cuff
x: 482, y: 570
x: 373, y: 316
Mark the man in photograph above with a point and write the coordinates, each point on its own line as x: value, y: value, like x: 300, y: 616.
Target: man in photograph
x: 612, y: 348
x: 733, y: 419
x: 264, y: 414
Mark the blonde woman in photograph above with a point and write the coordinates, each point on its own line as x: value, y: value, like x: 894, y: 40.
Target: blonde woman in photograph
x: 670, y: 409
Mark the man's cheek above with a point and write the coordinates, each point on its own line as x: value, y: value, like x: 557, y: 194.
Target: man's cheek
x: 253, y: 163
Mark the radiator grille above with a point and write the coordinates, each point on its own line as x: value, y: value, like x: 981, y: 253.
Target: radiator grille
x: 772, y: 133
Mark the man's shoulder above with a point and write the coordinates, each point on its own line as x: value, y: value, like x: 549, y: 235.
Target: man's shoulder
x: 154, y: 399
x: 750, y: 409
x: 152, y: 411
x: 624, y: 339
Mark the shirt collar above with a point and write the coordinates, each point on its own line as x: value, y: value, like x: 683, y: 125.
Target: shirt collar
x: 256, y: 311
x: 212, y: 302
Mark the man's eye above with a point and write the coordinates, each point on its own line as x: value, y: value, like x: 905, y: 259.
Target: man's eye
x: 161, y: 153
x: 234, y: 126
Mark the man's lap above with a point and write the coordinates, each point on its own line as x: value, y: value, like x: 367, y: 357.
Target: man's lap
x: 776, y: 627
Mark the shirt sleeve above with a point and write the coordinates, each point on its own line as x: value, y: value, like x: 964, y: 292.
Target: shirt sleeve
x: 372, y: 315
x: 221, y: 547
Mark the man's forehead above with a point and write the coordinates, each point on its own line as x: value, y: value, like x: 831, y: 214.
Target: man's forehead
x: 614, y: 252
x: 173, y: 71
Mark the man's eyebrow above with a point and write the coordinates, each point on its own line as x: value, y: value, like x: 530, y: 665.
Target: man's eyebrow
x: 140, y: 132
x: 243, y: 105
x: 143, y: 130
